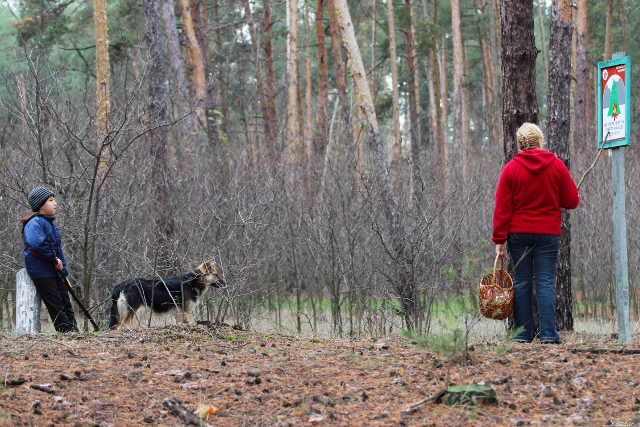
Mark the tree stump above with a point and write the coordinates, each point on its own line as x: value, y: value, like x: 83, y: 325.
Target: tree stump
x: 27, y: 305
x: 470, y: 394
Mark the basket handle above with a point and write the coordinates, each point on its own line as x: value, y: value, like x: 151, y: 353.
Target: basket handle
x: 495, y: 264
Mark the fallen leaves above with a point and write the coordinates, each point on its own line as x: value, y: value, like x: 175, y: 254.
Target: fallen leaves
x: 206, y: 411
x: 184, y: 375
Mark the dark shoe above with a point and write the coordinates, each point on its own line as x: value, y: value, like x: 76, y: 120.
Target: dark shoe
x: 551, y: 342
x: 522, y: 341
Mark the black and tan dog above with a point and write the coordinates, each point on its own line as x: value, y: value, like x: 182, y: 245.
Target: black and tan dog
x: 162, y: 295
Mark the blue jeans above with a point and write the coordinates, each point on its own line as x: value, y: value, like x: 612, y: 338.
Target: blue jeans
x: 534, y: 253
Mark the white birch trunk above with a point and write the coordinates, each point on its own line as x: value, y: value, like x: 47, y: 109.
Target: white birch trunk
x: 27, y: 305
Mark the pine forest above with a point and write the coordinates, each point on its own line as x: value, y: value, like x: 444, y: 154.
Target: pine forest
x: 336, y: 159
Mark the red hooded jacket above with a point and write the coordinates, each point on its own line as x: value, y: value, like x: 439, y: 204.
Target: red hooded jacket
x: 531, y: 190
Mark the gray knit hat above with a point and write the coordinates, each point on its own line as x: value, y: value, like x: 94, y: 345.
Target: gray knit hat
x: 38, y: 196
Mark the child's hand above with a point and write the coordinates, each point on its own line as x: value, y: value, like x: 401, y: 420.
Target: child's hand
x: 58, y: 264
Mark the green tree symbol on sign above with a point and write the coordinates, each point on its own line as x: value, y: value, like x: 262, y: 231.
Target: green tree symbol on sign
x: 614, y: 105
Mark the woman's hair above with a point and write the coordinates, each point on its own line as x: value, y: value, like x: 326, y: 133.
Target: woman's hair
x: 529, y: 136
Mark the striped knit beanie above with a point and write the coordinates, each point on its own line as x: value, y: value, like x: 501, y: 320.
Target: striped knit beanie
x: 37, y: 197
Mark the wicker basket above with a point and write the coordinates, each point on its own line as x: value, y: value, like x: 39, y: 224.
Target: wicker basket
x: 496, y: 293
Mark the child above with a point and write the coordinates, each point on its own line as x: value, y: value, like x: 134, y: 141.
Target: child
x: 39, y: 235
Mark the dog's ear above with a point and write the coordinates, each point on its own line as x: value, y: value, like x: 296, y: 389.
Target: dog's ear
x: 212, y: 268
x: 207, y: 268
x: 202, y: 269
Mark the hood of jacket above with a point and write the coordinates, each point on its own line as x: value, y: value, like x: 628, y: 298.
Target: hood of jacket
x: 535, y: 160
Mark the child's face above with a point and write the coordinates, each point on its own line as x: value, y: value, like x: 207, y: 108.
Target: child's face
x: 49, y: 207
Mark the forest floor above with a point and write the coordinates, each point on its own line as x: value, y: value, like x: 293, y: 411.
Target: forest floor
x: 163, y: 376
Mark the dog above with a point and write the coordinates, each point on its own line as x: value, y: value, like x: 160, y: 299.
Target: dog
x: 161, y: 295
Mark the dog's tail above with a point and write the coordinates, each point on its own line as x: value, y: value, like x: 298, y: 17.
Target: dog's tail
x: 114, y: 317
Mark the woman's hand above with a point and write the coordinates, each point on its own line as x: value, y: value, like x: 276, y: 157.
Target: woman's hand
x: 59, y: 265
x: 501, y: 252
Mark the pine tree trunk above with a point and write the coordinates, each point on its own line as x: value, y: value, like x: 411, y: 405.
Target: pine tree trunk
x: 269, y: 71
x: 459, y: 143
x: 195, y: 64
x: 414, y: 113
x: 467, y: 150
x: 435, y: 128
x: 495, y: 43
x: 413, y: 19
x: 434, y: 102
x: 543, y: 44
x: 158, y: 134
x: 102, y: 78
x: 320, y: 138
x: 623, y: 26
x: 558, y: 132
x: 491, y: 117
x: 102, y: 129
x: 520, y: 103
x: 583, y: 83
x: 201, y: 21
x: 607, y: 31
x: 222, y: 97
x: 411, y: 84
x: 308, y: 76
x: 436, y: 110
x: 188, y: 125
x: 264, y: 108
x: 395, y: 221
x: 395, y: 97
x: 431, y: 70
x: 444, y: 92
x: 338, y: 64
x: 373, y: 84
x: 293, y: 136
x: 300, y: 148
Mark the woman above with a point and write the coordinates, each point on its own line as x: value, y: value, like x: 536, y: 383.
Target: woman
x: 532, y: 189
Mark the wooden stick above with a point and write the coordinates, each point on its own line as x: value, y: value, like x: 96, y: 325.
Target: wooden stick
x: 43, y: 387
x: 435, y: 397
x: 594, y: 162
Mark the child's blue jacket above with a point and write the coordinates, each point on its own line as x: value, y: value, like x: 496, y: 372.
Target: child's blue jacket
x: 37, y: 252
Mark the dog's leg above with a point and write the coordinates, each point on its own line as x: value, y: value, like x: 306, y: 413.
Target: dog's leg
x: 126, y: 320
x: 185, y: 311
x: 125, y: 311
x: 143, y: 298
x: 114, y: 317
